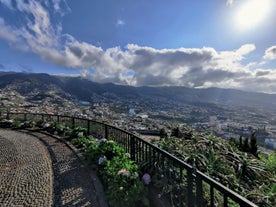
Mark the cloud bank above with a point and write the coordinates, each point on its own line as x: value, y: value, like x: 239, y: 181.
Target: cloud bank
x: 270, y: 53
x: 134, y: 65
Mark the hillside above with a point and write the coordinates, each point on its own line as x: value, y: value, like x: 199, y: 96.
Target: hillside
x: 84, y: 90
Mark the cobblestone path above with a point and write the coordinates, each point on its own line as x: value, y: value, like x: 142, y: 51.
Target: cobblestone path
x: 25, y: 171
x: 54, y: 177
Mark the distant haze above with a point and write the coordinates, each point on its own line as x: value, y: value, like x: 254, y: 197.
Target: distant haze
x: 85, y: 90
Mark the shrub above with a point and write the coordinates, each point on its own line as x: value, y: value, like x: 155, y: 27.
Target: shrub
x: 118, y: 172
x: 78, y: 132
x: 125, y: 187
x: 80, y: 142
x: 270, y: 162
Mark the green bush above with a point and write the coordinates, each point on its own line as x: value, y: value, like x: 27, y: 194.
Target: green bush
x: 119, y: 173
x: 270, y: 162
x: 80, y: 142
x: 241, y: 171
x: 125, y: 187
x: 78, y: 132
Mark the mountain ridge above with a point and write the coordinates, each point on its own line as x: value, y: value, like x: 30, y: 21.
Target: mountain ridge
x: 84, y: 89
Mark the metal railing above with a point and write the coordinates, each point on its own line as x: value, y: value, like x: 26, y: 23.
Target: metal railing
x: 179, y: 181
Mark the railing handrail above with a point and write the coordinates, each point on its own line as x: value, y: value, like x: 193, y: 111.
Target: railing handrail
x: 195, y: 173
x: 230, y: 193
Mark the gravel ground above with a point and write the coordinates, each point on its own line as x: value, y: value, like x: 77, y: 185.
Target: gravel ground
x: 39, y: 170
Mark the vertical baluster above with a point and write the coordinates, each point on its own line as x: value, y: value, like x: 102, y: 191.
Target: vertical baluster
x: 181, y: 196
x: 225, y: 200
x: 147, y: 152
x: 88, y: 127
x: 190, y: 187
x: 142, y: 151
x: 132, y: 148
x: 73, y: 122
x: 212, y: 196
x: 199, y: 191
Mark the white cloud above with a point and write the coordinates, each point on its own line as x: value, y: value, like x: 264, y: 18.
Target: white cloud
x: 7, y: 32
x: 136, y: 65
x: 120, y: 22
x: 7, y: 3
x: 61, y: 7
x: 39, y: 29
x: 230, y: 2
x: 261, y: 80
x: 57, y: 5
x: 270, y: 53
x: 246, y: 49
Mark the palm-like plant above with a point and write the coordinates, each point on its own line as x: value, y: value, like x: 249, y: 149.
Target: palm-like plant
x: 241, y: 171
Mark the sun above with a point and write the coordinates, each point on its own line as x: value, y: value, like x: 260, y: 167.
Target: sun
x: 251, y: 13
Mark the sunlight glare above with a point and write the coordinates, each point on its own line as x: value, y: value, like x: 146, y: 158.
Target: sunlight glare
x: 252, y: 13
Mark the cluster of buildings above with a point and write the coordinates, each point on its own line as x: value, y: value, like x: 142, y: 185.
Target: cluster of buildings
x: 151, y: 116
x: 223, y: 127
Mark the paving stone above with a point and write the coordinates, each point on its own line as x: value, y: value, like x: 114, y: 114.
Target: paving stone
x: 73, y: 185
x: 39, y: 170
x: 26, y: 176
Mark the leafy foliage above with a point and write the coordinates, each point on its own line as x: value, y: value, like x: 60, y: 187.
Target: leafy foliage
x: 78, y: 132
x: 119, y: 173
x: 80, y: 142
x: 241, y: 171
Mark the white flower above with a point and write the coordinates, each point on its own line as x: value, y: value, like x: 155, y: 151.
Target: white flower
x: 46, y: 125
x: 80, y: 134
x: 101, y: 140
x: 136, y: 175
x: 101, y: 160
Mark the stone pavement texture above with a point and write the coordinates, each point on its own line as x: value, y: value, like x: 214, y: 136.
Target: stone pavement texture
x: 26, y: 176
x: 39, y: 170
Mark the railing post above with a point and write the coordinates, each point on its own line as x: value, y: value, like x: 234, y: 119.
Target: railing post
x: 199, y: 192
x: 73, y: 122
x: 88, y: 127
x: 132, y: 147
x: 58, y: 118
x: 25, y: 117
x: 225, y: 200
x: 8, y: 115
x: 106, y: 131
x: 190, y: 187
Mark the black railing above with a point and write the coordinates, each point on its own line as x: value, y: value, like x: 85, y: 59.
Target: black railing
x: 182, y: 183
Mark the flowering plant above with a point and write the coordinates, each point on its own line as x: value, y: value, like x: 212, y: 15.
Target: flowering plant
x: 124, y: 172
x: 80, y: 142
x: 110, y: 149
x: 119, y: 174
x: 146, y: 178
x: 78, y: 132
x: 102, y: 160
x: 125, y: 188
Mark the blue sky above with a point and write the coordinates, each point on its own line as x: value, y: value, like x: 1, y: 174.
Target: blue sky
x: 216, y: 43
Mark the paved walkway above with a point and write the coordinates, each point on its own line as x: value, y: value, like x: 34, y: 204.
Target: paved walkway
x: 39, y: 170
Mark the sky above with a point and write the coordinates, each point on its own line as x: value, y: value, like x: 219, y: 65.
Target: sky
x: 199, y: 44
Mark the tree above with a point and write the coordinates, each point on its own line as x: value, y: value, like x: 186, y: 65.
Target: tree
x: 176, y: 132
x: 245, y: 146
x: 240, y: 144
x: 253, y: 144
x: 163, y: 133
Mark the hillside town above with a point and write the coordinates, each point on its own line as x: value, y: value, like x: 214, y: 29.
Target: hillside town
x: 148, y: 118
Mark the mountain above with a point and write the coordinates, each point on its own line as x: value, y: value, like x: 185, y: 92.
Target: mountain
x: 83, y: 89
